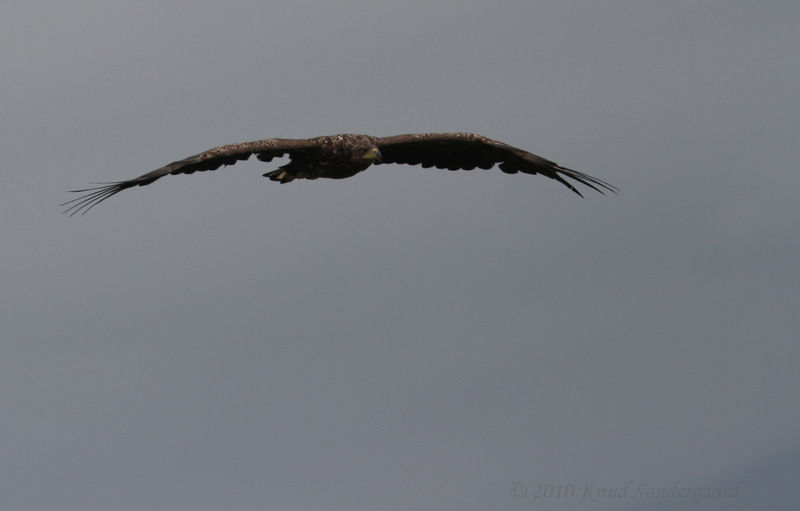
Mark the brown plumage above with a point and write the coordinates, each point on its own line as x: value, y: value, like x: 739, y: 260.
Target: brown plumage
x: 341, y: 156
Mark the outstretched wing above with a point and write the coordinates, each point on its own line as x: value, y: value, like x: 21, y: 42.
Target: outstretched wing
x: 211, y: 159
x: 454, y: 151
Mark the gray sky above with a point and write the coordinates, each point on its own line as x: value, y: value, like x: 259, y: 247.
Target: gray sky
x: 408, y: 338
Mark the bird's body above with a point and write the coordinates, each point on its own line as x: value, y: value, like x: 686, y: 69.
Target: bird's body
x: 345, y: 155
x: 334, y: 157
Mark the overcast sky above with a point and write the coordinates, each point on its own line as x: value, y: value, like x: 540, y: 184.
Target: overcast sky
x: 409, y: 338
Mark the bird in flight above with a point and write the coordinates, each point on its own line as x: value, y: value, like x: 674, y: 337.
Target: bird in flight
x: 345, y: 155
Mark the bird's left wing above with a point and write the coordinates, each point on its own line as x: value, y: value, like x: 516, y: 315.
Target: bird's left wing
x: 454, y: 151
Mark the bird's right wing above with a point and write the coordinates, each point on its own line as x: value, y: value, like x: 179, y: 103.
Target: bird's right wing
x: 212, y: 159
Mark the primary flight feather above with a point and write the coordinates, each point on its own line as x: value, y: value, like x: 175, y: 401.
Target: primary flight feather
x: 345, y: 155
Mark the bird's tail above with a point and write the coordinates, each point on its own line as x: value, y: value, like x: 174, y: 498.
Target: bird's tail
x: 281, y: 175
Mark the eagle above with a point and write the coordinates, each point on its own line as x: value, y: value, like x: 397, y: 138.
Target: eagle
x: 345, y: 155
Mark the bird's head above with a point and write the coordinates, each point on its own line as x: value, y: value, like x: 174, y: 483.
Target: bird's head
x: 368, y: 155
